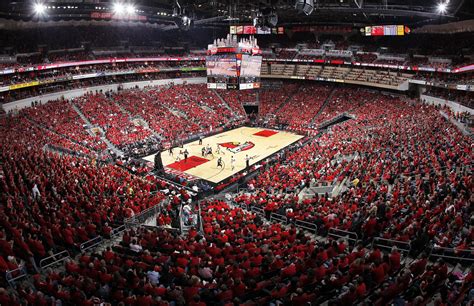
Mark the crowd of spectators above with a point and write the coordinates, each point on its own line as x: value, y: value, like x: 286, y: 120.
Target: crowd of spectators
x: 407, y: 172
x: 194, y: 109
x: 105, y: 113
x: 404, y: 172
x: 144, y: 103
x: 236, y: 98
x: 365, y: 57
x: 175, y: 99
x: 138, y: 121
x: 60, y: 117
x: 444, y: 78
x: 286, y: 54
x: 61, y: 56
x: 271, y: 99
x: 343, y: 100
x: 54, y: 202
x: 235, y: 259
x: 238, y: 258
x: 42, y: 89
x: 304, y: 106
x: 51, y: 75
x: 463, y: 97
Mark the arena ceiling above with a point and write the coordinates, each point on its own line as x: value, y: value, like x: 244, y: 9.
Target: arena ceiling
x: 217, y: 13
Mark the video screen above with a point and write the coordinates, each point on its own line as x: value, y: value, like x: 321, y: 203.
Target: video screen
x: 221, y: 65
x: 250, y: 66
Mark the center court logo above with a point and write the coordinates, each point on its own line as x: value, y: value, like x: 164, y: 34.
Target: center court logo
x: 236, y: 147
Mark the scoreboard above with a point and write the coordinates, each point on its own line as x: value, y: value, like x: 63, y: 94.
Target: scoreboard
x: 233, y: 66
x: 233, y: 71
x: 249, y: 72
x: 222, y: 71
x: 385, y: 30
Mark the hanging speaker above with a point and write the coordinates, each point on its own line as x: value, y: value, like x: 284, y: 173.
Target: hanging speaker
x: 304, y: 6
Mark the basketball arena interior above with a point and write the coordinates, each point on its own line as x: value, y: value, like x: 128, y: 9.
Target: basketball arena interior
x: 236, y: 152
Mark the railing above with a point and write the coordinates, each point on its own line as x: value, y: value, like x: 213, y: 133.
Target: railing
x: 244, y: 190
x: 452, y: 253
x: 278, y: 218
x: 258, y: 210
x: 181, y: 221
x: 54, y: 259
x: 338, y: 233
x: 241, y: 205
x: 100, y: 239
x: 390, y: 243
x: 117, y: 231
x: 172, y: 182
x: 201, y: 228
x: 307, y: 226
x: 151, y: 227
x: 13, y: 275
x: 146, y: 214
x: 91, y: 243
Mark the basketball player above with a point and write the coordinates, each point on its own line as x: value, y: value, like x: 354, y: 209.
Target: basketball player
x: 209, y: 151
x: 232, y: 163
x: 219, y: 150
x: 247, y: 161
x: 171, y: 150
x: 203, y: 151
x: 219, y: 163
x: 186, y: 153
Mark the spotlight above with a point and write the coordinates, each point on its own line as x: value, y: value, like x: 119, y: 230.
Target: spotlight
x: 185, y: 23
x: 442, y: 7
x: 39, y: 8
x: 118, y: 8
x: 130, y: 9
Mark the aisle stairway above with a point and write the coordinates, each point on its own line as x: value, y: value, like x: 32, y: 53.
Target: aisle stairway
x: 328, y: 98
x: 291, y: 95
x: 81, y: 114
x: 222, y: 99
x: 110, y: 145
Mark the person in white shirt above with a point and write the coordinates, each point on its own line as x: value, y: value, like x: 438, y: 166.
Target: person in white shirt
x: 153, y: 277
x: 36, y: 192
x: 134, y: 246
x: 186, y: 213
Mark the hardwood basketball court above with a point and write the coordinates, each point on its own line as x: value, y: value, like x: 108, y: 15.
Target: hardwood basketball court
x: 257, y: 143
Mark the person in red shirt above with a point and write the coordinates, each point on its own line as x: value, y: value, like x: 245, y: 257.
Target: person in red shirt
x: 301, y: 298
x: 418, y: 266
x: 394, y: 259
x: 361, y: 289
x: 289, y: 271
x: 378, y: 272
x: 197, y: 301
